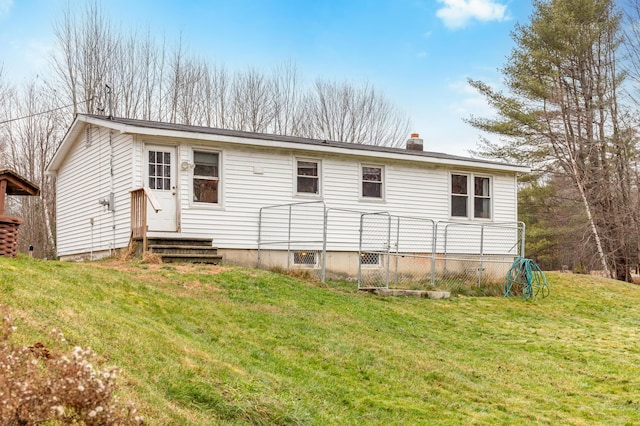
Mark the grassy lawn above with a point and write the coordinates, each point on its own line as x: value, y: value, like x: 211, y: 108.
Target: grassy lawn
x: 205, y: 345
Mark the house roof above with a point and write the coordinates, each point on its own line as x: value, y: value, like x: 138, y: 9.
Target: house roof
x: 17, y: 185
x: 155, y: 128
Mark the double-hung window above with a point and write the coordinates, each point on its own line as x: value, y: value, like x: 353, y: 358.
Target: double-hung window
x: 372, y: 182
x: 206, y: 177
x: 459, y: 195
x: 481, y: 197
x: 465, y: 204
x: 308, y: 177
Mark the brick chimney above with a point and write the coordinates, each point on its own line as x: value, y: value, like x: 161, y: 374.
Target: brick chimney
x: 414, y: 143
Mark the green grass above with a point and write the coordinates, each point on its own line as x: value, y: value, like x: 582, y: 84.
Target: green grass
x: 245, y: 346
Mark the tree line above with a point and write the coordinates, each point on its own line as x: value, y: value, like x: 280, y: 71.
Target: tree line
x: 97, y: 68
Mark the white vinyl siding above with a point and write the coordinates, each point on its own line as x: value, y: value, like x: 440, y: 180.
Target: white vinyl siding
x: 83, y: 180
x: 410, y: 190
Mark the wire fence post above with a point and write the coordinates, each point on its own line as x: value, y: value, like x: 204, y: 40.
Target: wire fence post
x: 434, y: 249
x: 388, y: 251
x: 324, y: 242
x: 259, y: 238
x: 289, y: 241
x: 481, y: 268
x: 397, y: 250
x: 360, y: 286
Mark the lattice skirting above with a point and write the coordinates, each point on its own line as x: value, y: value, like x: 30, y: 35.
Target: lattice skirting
x: 9, y: 235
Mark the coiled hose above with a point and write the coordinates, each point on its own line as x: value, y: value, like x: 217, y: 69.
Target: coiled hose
x: 525, y: 277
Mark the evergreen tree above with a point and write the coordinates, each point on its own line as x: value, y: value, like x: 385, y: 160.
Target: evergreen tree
x: 562, y: 113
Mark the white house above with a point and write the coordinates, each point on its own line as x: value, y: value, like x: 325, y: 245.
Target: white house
x: 212, y: 183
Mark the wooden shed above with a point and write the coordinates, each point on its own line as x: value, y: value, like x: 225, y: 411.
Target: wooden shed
x: 12, y: 183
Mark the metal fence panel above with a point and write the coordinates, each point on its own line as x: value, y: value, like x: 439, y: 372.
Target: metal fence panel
x: 406, y: 252
x: 291, y: 237
x: 373, y: 251
x: 412, y: 251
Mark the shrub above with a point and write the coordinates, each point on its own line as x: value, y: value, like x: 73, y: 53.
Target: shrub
x: 37, y: 386
x: 581, y: 268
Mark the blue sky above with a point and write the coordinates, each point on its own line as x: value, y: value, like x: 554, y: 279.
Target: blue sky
x: 419, y: 53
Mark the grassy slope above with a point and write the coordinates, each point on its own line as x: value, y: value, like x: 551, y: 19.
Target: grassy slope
x: 251, y: 346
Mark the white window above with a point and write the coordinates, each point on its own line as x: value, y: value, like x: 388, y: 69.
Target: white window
x: 461, y: 197
x: 372, y: 182
x: 206, y: 177
x: 308, y: 177
x: 481, y: 197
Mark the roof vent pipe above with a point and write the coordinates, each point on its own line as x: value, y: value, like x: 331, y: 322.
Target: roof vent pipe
x: 415, y: 143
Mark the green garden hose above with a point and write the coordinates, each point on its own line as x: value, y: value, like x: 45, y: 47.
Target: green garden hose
x: 525, y: 277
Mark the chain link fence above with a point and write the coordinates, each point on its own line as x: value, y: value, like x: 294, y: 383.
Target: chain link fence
x: 291, y: 238
x: 374, y: 250
x: 383, y: 250
x: 475, y: 254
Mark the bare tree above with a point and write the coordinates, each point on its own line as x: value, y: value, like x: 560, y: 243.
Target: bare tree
x: 84, y: 63
x: 30, y: 144
x: 285, y: 100
x: 151, y: 82
x: 250, y: 102
x: 347, y: 113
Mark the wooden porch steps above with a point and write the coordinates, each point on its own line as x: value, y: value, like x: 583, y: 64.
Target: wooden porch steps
x: 184, y: 249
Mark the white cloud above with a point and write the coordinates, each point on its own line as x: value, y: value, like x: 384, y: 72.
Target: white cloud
x: 5, y: 7
x: 462, y: 87
x: 457, y: 13
x: 467, y: 101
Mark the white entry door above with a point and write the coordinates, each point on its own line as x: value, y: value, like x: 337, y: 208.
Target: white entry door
x: 161, y: 180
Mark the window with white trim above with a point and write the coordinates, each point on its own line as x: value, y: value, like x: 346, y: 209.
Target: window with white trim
x: 459, y: 195
x: 307, y: 177
x: 372, y: 181
x: 482, y: 197
x: 206, y: 176
x: 465, y: 204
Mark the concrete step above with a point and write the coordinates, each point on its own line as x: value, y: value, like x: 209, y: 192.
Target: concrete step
x: 170, y: 249
x: 412, y: 293
x: 191, y: 258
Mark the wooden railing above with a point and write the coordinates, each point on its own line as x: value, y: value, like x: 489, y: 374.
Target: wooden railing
x: 139, y: 225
